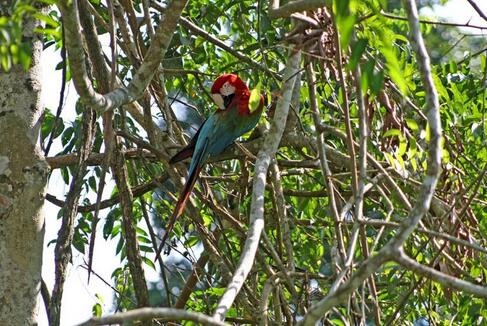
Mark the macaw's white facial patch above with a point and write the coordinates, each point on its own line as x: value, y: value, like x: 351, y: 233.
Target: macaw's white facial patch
x: 227, y: 89
x: 218, y: 99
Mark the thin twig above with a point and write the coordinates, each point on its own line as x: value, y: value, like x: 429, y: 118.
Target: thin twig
x: 237, y: 54
x: 442, y: 278
x: 477, y: 9
x: 359, y: 214
x: 55, y: 124
x: 283, y: 215
x: 346, y: 111
x: 422, y: 21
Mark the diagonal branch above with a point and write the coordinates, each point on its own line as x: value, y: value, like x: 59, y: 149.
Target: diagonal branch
x: 143, y: 76
x: 429, y: 22
x: 394, y: 248
x: 477, y: 9
x: 237, y: 54
x: 325, y: 169
x: 129, y: 229
x: 442, y: 278
x: 270, y: 145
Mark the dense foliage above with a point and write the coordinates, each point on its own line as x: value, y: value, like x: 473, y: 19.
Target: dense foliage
x: 304, y: 241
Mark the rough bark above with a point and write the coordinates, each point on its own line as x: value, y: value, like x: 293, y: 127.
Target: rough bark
x: 23, y: 178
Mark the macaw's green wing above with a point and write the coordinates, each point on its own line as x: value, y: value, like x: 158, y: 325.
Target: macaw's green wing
x: 223, y: 128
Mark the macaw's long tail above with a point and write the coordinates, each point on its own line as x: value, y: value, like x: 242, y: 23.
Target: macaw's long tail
x: 178, y: 210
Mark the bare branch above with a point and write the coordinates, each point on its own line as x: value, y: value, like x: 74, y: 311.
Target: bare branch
x: 346, y: 111
x: 62, y: 251
x: 433, y: 115
x: 294, y: 6
x: 422, y: 21
x: 432, y: 233
x: 143, y: 76
x: 198, y: 268
x: 442, y: 278
x: 477, y: 9
x: 359, y: 214
x: 163, y: 314
x: 283, y: 215
x: 368, y: 267
x: 322, y: 149
x: 237, y: 54
x: 125, y: 195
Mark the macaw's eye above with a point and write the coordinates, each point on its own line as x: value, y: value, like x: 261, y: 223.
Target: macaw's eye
x: 227, y: 89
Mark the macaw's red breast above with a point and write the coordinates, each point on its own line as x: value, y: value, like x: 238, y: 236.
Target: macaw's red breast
x: 243, y: 103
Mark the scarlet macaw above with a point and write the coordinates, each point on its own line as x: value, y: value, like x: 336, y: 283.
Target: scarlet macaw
x: 233, y: 118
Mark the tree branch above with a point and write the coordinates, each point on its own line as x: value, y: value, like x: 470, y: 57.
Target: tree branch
x: 125, y: 195
x: 422, y: 21
x: 294, y: 6
x: 62, y: 251
x: 325, y: 169
x: 433, y: 114
x: 437, y: 276
x: 477, y: 9
x: 394, y: 247
x: 143, y: 76
x: 237, y: 54
x: 163, y: 314
x: 270, y: 145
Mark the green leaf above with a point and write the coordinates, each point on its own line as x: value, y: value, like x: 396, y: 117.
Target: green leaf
x: 92, y: 183
x: 96, y: 310
x: 119, y: 245
x: 142, y: 239
x: 149, y: 262
x: 377, y: 82
x: 193, y: 240
x: 402, y: 147
x: 46, y: 19
x: 345, y: 26
x: 254, y: 100
x: 79, y: 242
x: 5, y: 58
x: 357, y: 51
x: 386, y: 47
x: 392, y: 132
x: 146, y: 248
x: 412, y: 124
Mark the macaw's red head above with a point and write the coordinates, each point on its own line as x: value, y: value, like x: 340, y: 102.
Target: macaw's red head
x: 225, y: 88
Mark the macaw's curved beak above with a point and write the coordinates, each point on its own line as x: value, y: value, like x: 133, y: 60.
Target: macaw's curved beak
x: 222, y: 101
x: 218, y: 99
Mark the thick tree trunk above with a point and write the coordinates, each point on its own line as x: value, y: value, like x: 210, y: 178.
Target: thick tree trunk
x: 23, y: 178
